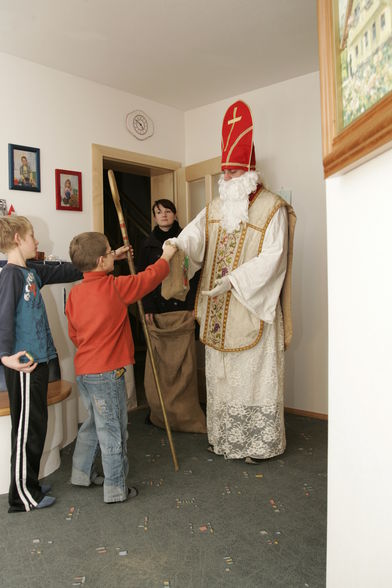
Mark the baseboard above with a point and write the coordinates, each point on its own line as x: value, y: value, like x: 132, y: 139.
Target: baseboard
x: 307, y: 413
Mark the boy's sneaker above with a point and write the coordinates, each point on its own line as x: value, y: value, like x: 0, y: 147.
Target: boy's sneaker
x: 45, y: 488
x: 97, y: 480
x: 132, y: 492
x: 46, y: 501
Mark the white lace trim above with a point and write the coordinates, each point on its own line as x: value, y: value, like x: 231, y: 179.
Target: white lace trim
x: 245, y: 397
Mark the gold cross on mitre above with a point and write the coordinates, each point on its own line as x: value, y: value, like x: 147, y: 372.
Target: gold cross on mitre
x: 235, y: 118
x: 232, y: 122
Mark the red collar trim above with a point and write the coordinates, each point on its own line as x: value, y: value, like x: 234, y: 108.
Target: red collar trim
x: 255, y: 193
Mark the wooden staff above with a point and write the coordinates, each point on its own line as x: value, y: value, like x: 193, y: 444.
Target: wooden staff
x: 124, y: 233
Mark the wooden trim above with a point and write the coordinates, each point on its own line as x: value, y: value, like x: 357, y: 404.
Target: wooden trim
x: 180, y: 198
x: 121, y: 156
x: 57, y: 392
x: 197, y: 171
x: 307, y: 413
x: 208, y: 187
x: 369, y: 134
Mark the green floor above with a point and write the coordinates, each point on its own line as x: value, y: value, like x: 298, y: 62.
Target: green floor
x: 213, y: 523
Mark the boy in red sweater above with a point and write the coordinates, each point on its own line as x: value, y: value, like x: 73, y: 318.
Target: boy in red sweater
x: 98, y: 325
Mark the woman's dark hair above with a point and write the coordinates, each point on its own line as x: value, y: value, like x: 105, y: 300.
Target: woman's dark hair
x: 165, y: 203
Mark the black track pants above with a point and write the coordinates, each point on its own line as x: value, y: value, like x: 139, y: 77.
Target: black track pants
x: 29, y: 418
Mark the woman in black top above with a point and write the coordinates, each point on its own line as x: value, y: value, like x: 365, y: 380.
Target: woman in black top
x: 171, y: 327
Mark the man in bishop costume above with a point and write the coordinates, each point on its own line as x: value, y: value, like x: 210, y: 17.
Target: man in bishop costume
x: 242, y: 241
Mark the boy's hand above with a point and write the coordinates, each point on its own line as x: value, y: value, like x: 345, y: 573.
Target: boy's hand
x: 121, y: 252
x: 168, y: 251
x: 173, y: 241
x: 13, y: 362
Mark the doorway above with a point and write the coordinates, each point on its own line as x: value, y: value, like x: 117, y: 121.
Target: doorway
x: 190, y: 188
x: 140, y: 180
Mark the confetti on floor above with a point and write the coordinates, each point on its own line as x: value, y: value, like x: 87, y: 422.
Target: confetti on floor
x: 144, y: 525
x: 277, y: 506
x: 186, y: 502
x: 274, y: 540
x: 156, y: 483
x: 206, y: 528
x: 72, y: 513
x: 153, y: 458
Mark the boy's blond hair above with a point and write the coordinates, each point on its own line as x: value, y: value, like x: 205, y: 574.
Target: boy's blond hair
x: 86, y: 249
x: 9, y: 226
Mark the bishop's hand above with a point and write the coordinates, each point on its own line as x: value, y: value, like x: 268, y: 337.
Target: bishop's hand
x: 222, y: 285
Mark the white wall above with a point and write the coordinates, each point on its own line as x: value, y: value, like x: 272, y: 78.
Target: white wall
x: 63, y: 115
x: 287, y: 139
x: 359, y: 211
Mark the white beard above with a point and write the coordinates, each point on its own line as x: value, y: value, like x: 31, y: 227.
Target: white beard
x: 234, y: 195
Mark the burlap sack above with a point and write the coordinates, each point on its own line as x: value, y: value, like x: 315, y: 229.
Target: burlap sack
x: 173, y: 344
x: 176, y: 284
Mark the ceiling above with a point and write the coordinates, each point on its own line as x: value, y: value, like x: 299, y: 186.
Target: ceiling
x: 183, y: 53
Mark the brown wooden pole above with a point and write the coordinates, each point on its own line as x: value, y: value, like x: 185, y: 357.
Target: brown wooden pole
x: 124, y: 233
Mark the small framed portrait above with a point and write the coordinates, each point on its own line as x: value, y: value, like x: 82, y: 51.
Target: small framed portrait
x: 68, y: 190
x: 24, y: 168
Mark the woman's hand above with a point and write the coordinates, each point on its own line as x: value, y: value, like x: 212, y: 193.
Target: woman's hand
x: 149, y: 318
x: 13, y: 362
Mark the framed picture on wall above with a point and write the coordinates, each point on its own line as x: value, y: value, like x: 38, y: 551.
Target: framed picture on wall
x: 355, y: 47
x: 24, y: 168
x: 68, y: 190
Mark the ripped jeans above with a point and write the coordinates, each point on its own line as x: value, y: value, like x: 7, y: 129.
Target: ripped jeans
x: 104, y: 396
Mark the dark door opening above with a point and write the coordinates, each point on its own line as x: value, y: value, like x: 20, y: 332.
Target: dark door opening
x: 135, y: 198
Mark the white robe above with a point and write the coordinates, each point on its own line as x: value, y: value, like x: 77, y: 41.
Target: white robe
x: 245, y: 389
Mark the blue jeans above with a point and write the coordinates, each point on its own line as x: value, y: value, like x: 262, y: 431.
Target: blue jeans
x: 104, y: 396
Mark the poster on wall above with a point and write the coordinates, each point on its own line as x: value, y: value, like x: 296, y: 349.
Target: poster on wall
x: 355, y: 52
x: 363, y: 55
x: 68, y: 190
x: 24, y: 168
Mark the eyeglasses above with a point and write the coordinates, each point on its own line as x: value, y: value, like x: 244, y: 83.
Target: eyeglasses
x: 111, y: 252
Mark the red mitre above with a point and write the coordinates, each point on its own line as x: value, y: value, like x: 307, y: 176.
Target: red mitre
x: 238, y: 151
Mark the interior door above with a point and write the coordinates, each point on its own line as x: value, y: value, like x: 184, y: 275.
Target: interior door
x: 162, y: 186
x: 196, y: 185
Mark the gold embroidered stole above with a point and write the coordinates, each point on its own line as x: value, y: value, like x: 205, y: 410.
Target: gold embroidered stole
x: 225, y: 324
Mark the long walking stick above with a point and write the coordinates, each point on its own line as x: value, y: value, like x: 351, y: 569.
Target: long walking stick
x: 124, y: 233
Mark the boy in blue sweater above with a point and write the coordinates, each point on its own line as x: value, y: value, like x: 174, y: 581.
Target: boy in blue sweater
x: 26, y: 346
